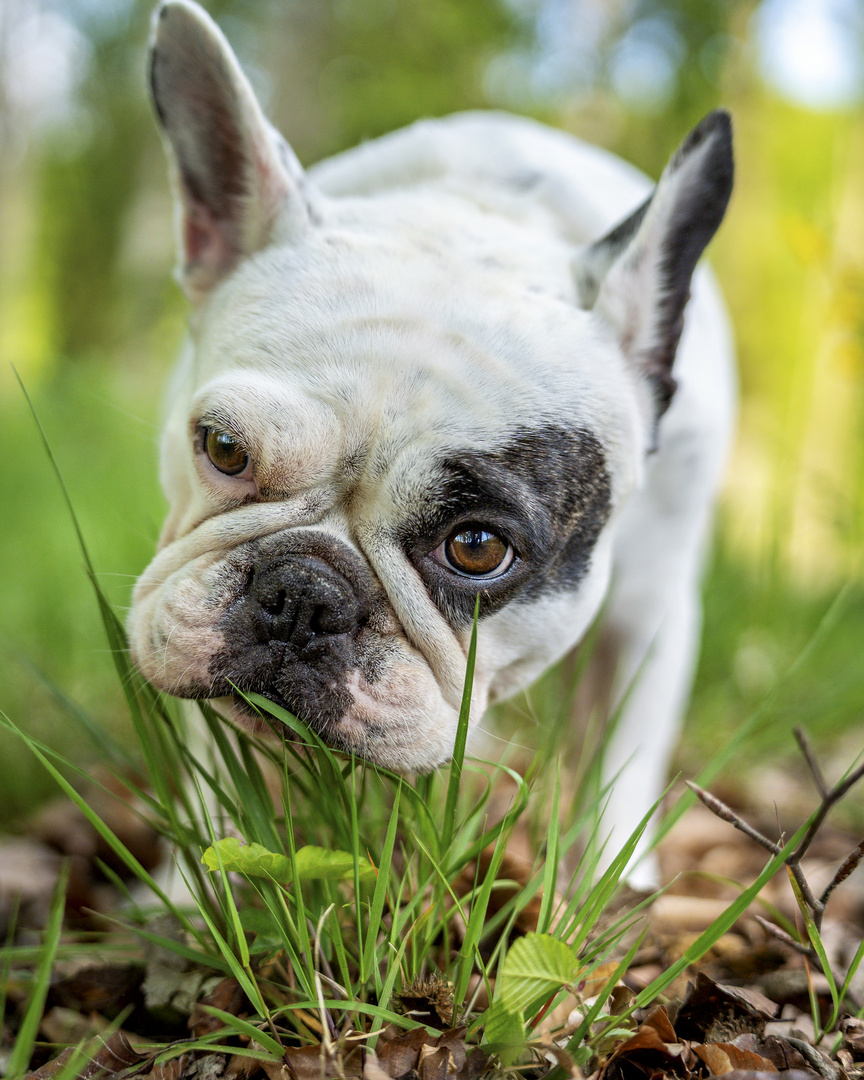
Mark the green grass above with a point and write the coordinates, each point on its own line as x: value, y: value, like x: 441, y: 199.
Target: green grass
x: 351, y: 873
x: 355, y: 928
x: 350, y: 883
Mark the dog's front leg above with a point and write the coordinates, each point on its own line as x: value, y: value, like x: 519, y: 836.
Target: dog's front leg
x: 654, y: 669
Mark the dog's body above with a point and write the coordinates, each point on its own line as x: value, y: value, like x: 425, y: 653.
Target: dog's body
x: 414, y: 376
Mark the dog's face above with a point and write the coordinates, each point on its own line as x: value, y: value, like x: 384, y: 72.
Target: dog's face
x: 389, y: 406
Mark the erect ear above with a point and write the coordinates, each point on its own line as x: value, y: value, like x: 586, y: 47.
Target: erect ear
x: 236, y: 179
x: 637, y: 277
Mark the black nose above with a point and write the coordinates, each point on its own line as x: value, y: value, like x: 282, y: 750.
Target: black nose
x: 301, y: 599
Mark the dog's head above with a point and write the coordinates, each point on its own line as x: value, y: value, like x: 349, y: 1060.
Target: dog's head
x: 390, y: 404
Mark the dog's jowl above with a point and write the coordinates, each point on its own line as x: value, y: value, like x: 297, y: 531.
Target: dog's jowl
x: 457, y: 360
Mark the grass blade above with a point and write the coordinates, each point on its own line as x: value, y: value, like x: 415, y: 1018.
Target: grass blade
x: 22, y: 1051
x: 377, y: 908
x: 458, y: 758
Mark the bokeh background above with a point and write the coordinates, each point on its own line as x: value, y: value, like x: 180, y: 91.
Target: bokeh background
x: 90, y: 319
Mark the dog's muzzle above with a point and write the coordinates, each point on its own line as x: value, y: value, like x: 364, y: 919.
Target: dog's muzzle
x: 291, y: 631
x: 301, y: 602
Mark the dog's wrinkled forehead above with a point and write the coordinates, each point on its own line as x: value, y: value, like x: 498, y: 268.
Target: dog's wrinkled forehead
x: 345, y: 354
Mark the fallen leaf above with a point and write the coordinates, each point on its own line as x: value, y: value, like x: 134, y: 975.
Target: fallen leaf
x: 225, y: 995
x: 777, y: 1050
x: 715, y: 1057
x: 101, y: 1057
x: 400, y: 1054
x: 312, y: 1063
x: 436, y: 1063
x: 727, y: 1057
x: 712, y: 1012
x: 101, y: 988
x: 653, y: 1047
x: 852, y: 1030
x: 753, y: 1074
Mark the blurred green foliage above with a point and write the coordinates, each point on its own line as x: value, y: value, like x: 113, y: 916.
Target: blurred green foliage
x: 90, y: 318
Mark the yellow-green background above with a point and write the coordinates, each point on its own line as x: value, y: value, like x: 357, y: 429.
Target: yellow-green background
x: 90, y: 319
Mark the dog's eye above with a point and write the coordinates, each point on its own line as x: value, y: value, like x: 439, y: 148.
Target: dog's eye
x: 225, y: 451
x: 475, y: 551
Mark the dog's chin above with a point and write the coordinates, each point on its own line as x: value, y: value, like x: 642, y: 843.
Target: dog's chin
x: 409, y: 745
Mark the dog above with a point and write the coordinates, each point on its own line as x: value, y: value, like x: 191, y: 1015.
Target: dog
x: 460, y: 361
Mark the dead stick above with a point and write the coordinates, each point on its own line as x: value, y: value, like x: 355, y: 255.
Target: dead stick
x: 812, y: 764
x: 843, y: 871
x: 726, y: 813
x: 787, y: 939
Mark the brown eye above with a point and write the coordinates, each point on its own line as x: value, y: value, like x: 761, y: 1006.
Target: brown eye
x: 225, y: 451
x: 473, y: 550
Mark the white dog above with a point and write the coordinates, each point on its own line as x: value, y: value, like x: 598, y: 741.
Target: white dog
x: 436, y: 366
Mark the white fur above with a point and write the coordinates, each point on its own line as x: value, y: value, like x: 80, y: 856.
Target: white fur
x: 409, y: 299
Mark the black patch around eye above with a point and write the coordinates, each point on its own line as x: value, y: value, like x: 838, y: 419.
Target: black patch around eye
x: 546, y: 491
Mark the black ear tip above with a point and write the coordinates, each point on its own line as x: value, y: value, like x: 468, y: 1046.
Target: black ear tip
x: 716, y: 127
x: 167, y: 10
x: 179, y: 12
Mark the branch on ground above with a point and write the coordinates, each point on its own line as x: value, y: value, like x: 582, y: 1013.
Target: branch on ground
x: 828, y: 798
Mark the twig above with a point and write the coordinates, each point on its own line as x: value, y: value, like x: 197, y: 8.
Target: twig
x: 843, y: 871
x: 828, y: 801
x: 778, y: 932
x: 718, y: 807
x: 726, y: 813
x: 828, y: 798
x: 812, y: 764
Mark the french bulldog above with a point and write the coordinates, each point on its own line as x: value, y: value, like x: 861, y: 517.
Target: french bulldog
x: 458, y: 361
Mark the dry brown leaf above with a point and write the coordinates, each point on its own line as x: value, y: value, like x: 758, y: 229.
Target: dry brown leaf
x: 436, y: 1063
x: 725, y: 1057
x: 102, y: 1057
x: 852, y: 1030
x: 69, y: 1026
x: 755, y: 1074
x: 658, y: 1020
x: 653, y: 1047
x: 372, y: 1070
x: 400, y: 1054
x: 175, y: 1069
x: 99, y: 988
x: 778, y: 1051
x: 312, y: 1063
x: 714, y: 1057
x: 225, y: 995
x: 712, y: 1012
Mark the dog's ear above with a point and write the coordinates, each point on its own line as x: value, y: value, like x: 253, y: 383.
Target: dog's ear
x: 237, y: 181
x: 637, y: 277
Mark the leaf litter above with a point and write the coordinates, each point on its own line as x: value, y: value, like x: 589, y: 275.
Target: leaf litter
x: 745, y: 1012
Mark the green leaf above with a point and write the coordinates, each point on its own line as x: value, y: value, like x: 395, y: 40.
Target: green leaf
x: 313, y: 863
x: 536, y: 966
x: 504, y: 1033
